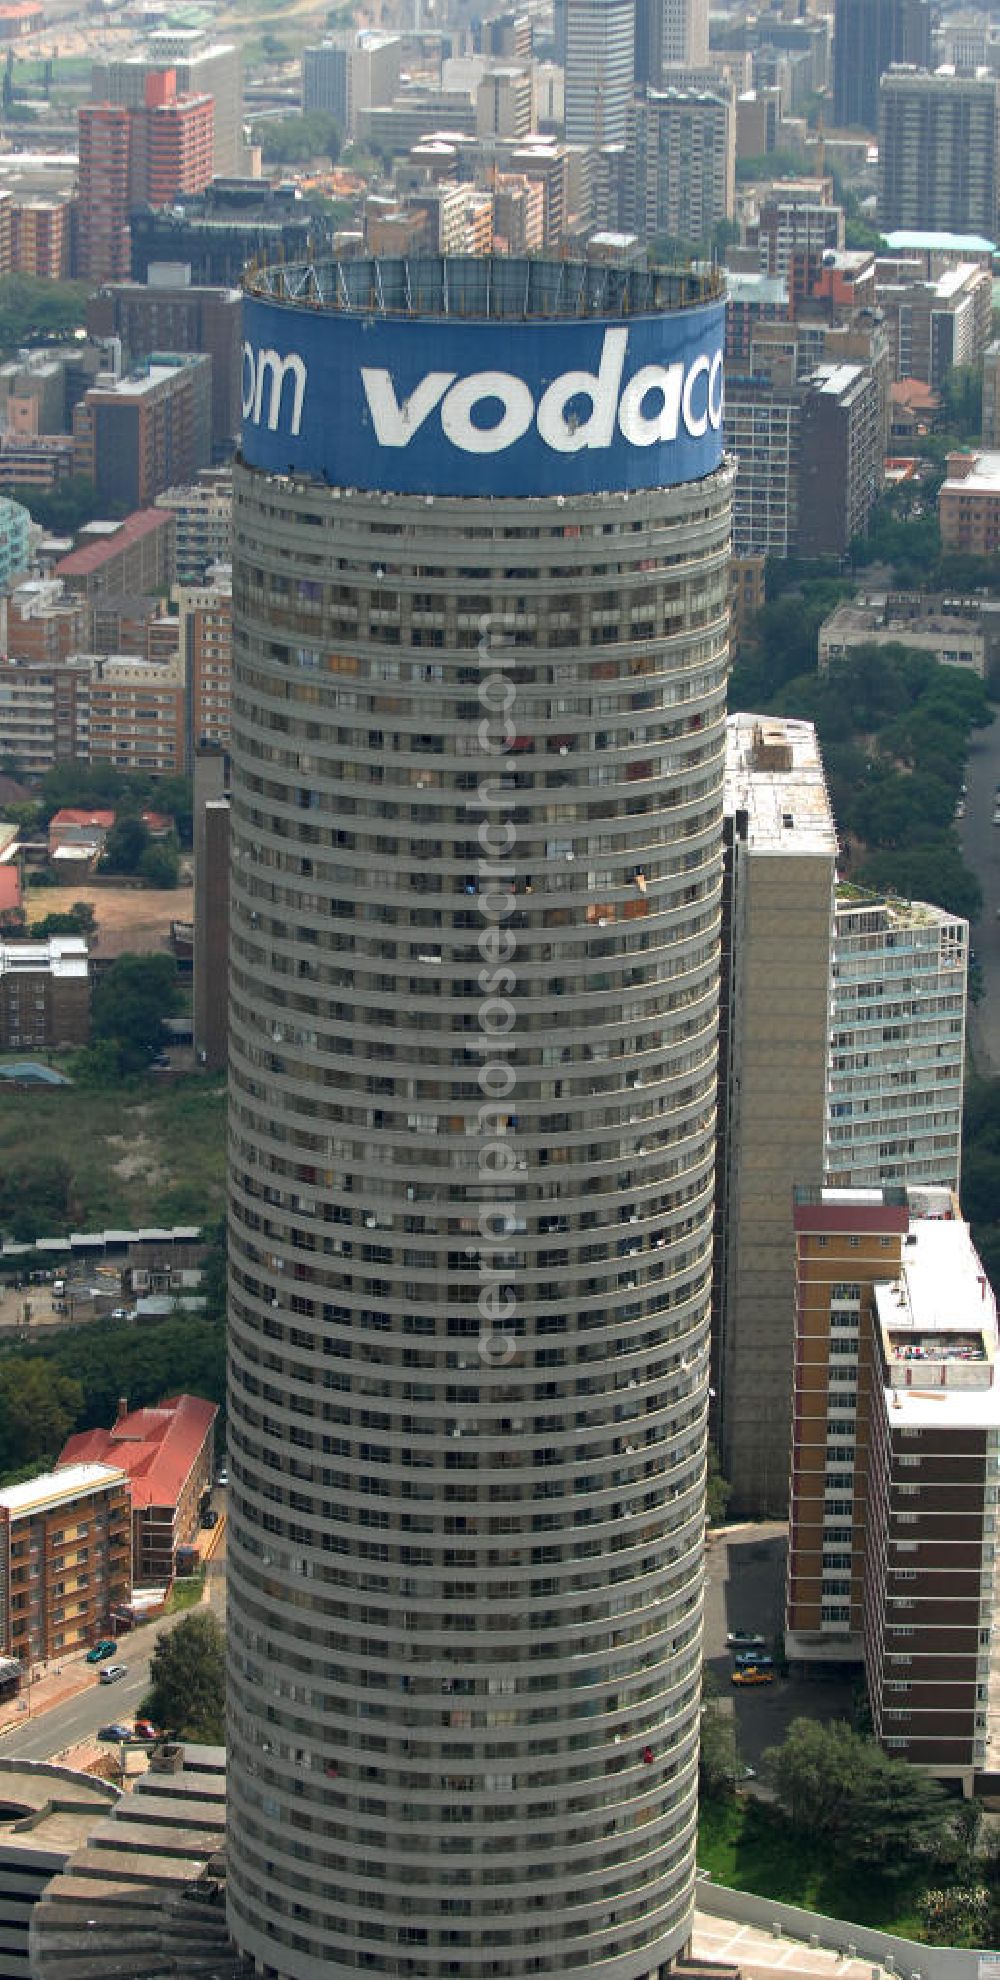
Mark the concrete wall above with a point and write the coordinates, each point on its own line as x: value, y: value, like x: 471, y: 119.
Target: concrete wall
x: 907, y: 1957
x: 779, y: 1058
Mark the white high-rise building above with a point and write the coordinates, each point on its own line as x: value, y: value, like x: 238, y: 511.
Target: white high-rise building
x: 683, y: 26
x: 600, y: 69
x: 897, y: 1044
x: 481, y: 535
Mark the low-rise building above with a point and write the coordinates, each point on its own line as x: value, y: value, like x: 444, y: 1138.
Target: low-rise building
x: 44, y: 992
x: 65, y: 1560
x: 951, y: 640
x: 130, y: 557
x: 166, y: 1454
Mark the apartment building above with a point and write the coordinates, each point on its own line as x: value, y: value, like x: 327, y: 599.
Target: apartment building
x: 931, y: 1504
x: 44, y: 992
x: 44, y: 711
x: 166, y: 1453
x: 781, y: 850
x: 15, y: 552
x: 42, y: 236
x: 210, y: 1003
x: 137, y: 714
x: 763, y: 428
x: 680, y: 163
x: 796, y: 217
x: 206, y: 646
x: 44, y: 625
x: 840, y: 458
x: 203, y: 517
x: 138, y: 435
x: 969, y: 504
x: 176, y: 316
x: 122, y: 559
x: 894, y: 1464
x: 933, y: 321
x: 938, y: 151
x: 65, y: 1560
x: 104, y: 139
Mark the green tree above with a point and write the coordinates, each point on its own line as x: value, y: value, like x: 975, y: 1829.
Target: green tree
x: 125, y: 846
x: 38, y: 1408
x: 158, y: 864
x: 295, y: 140
x: 717, y: 1747
x: 717, y: 1490
x: 33, y: 306
x: 129, y: 1004
x: 840, y: 1788
x: 187, y: 1694
x: 36, y: 1194
x: 64, y: 510
x: 962, y: 400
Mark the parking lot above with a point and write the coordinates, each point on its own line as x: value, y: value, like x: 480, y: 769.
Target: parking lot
x: 745, y: 1569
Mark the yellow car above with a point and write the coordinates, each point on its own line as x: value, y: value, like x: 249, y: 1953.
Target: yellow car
x: 752, y: 1676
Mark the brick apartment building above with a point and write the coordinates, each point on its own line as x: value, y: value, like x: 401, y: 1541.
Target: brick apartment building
x: 136, y: 436
x: 893, y: 1464
x: 167, y: 1455
x: 206, y: 641
x: 174, y: 316
x: 132, y: 557
x: 65, y: 1560
x: 969, y: 505
x: 104, y: 138
x: 44, y: 992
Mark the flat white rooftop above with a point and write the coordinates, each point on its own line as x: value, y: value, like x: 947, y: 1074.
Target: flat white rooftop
x: 52, y: 1488
x: 774, y: 773
x: 982, y: 479
x: 938, y: 1323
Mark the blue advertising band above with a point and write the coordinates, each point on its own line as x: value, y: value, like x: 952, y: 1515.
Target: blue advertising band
x: 439, y: 405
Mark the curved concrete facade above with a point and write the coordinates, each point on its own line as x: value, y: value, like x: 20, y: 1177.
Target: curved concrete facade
x: 467, y: 1444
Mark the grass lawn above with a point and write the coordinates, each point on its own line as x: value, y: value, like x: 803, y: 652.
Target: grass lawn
x: 751, y: 1846
x: 141, y: 1153
x: 186, y: 1592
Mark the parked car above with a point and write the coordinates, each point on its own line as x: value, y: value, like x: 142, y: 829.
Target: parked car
x: 115, y: 1732
x: 105, y: 1648
x: 144, y: 1729
x: 210, y: 1517
x: 753, y: 1660
x: 222, y: 1477
x: 751, y: 1675
x: 745, y: 1639
x: 112, y: 1672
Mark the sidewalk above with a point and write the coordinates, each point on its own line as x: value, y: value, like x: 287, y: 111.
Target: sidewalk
x: 61, y: 1682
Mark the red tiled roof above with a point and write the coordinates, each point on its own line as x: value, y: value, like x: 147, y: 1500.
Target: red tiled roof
x: 10, y: 888
x: 156, y: 1447
x: 70, y: 815
x: 81, y: 563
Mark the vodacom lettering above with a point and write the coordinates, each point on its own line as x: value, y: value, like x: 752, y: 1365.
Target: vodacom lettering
x: 487, y: 412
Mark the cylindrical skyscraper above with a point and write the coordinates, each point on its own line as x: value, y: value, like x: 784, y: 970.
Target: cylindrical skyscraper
x: 480, y: 586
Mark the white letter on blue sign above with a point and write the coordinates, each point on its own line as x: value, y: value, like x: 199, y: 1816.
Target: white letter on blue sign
x: 395, y: 424
x: 456, y: 413
x: 646, y: 429
x: 601, y: 388
x: 267, y: 366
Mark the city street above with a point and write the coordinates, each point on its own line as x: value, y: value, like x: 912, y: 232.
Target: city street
x: 42, y: 1735
x: 981, y: 846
